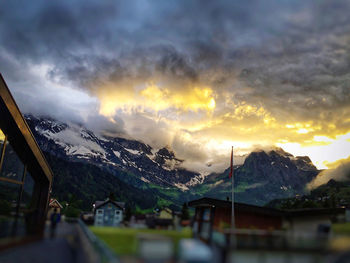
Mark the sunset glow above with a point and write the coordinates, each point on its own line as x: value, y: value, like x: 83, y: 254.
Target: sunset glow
x: 193, y: 112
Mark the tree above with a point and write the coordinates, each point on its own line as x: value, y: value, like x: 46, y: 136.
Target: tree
x: 72, y: 211
x: 72, y: 208
x: 112, y: 196
x: 127, y: 213
x: 287, y: 204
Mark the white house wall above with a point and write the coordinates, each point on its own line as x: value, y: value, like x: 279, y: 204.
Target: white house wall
x: 108, y: 216
x: 305, y: 226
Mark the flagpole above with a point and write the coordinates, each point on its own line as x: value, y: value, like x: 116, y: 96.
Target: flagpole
x: 233, y: 235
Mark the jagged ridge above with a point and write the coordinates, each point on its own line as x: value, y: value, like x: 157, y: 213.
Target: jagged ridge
x: 75, y: 143
x: 264, y: 176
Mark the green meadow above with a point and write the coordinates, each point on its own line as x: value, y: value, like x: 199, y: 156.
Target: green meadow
x: 123, y: 241
x: 341, y: 228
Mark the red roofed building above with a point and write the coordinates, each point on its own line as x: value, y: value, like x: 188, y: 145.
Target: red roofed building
x: 215, y: 215
x: 54, y: 204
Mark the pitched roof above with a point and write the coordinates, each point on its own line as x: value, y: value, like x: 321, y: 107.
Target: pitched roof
x: 266, y: 210
x: 55, y: 203
x: 315, y: 211
x: 238, y: 206
x: 166, y: 209
x: 98, y: 204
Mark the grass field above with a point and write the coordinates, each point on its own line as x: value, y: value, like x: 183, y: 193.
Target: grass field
x: 123, y: 241
x: 342, y: 228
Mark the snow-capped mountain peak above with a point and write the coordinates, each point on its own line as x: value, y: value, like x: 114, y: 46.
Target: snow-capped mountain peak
x: 76, y: 143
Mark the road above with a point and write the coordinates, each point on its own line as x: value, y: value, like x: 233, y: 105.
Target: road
x: 62, y: 248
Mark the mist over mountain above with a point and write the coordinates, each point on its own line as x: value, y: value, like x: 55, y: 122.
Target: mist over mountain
x: 265, y: 174
x: 340, y: 171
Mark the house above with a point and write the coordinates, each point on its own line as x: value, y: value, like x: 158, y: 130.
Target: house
x: 162, y: 219
x: 25, y: 176
x: 215, y: 215
x: 54, y: 204
x: 165, y: 219
x: 311, y: 221
x: 108, y: 213
x: 165, y: 213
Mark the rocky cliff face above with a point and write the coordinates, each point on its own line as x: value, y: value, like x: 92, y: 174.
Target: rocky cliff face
x: 277, y: 167
x: 264, y: 176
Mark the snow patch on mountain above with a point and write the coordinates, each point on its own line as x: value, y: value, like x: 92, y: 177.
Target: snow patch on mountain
x: 145, y: 180
x: 73, y: 143
x: 182, y: 187
x: 196, y: 180
x: 133, y: 151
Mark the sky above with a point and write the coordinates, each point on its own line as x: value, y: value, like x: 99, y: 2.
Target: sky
x: 197, y: 76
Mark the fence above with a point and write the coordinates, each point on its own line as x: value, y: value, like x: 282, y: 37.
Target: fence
x: 98, y: 251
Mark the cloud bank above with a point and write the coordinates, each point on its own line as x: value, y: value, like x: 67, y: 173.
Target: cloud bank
x: 340, y: 171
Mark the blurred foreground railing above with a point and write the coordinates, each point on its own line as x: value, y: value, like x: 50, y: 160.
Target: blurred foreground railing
x: 247, y: 245
x: 103, y: 254
x: 275, y: 240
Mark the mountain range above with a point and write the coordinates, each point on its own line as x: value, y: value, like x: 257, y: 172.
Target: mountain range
x: 91, y: 166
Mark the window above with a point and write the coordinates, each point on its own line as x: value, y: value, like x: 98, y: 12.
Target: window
x: 12, y: 197
x: 16, y: 207
x: 99, y: 211
x: 28, y: 188
x: 9, y: 194
x: 206, y: 214
x: 117, y: 212
x: 12, y: 167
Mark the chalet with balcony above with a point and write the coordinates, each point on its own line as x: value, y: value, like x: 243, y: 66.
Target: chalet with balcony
x: 108, y: 213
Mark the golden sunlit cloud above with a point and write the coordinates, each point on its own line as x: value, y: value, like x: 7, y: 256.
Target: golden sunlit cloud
x: 156, y: 98
x: 322, y: 155
x: 302, y: 128
x: 193, y: 98
x: 303, y: 131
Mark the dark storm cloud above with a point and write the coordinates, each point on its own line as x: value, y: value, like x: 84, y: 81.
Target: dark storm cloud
x: 175, y: 65
x: 66, y: 33
x: 44, y: 30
